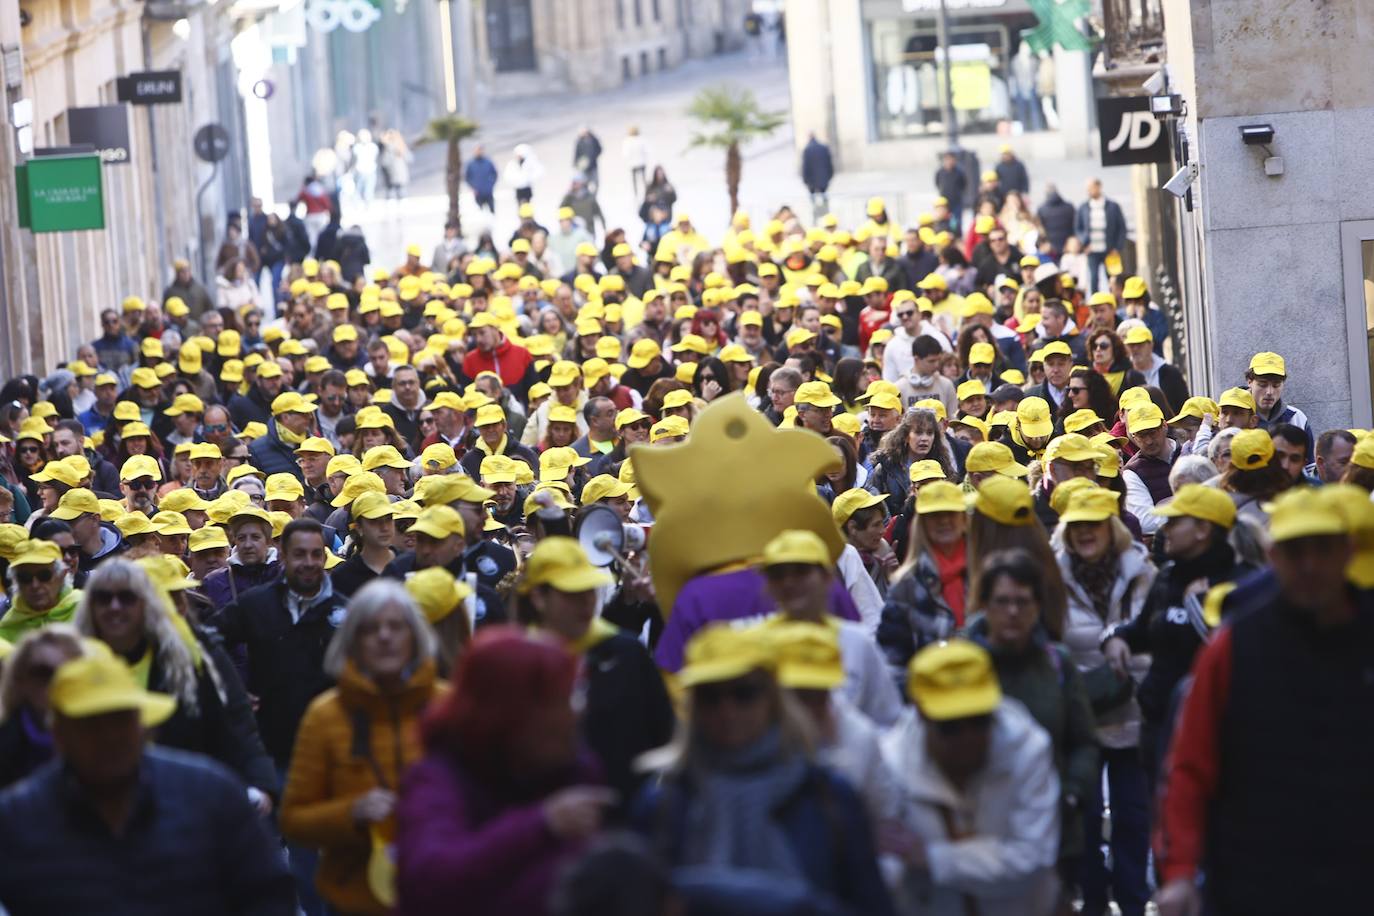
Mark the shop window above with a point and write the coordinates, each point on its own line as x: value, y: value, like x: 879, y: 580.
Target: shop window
x: 995, y: 76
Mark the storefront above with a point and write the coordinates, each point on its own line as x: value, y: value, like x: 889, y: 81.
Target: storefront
x: 995, y: 77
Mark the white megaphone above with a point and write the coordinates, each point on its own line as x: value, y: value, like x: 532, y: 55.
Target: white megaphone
x: 606, y: 539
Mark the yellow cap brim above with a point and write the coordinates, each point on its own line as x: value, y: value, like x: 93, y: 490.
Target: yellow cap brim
x: 716, y: 671
x: 810, y: 677
x: 434, y: 531
x: 153, y: 708
x: 574, y: 581
x: 961, y: 703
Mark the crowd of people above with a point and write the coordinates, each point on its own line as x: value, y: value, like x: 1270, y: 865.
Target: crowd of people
x: 811, y: 569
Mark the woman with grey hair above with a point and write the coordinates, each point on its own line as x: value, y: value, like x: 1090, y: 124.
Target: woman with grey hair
x: 1219, y: 449
x: 122, y: 608
x: 356, y: 740
x: 1191, y: 469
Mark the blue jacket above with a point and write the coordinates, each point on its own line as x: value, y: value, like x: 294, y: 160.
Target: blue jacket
x: 480, y: 174
x: 1116, y: 225
x: 271, y: 455
x: 817, y: 166
x: 823, y: 819
x: 193, y: 844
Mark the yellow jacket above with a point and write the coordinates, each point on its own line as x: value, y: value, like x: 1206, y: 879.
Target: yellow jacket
x: 326, y: 776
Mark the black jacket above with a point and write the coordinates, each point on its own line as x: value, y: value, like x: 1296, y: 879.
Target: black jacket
x: 627, y: 709
x: 817, y: 167
x: 271, y: 455
x: 193, y: 844
x: 285, y: 659
x: 223, y: 727
x: 250, y: 407
x: 1011, y: 176
x: 1056, y: 215
x: 471, y: 462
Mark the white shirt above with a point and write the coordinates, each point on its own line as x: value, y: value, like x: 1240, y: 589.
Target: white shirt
x: 635, y: 151
x: 861, y: 588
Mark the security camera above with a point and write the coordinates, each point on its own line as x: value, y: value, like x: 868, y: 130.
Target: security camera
x: 1155, y: 85
x: 1257, y: 134
x: 1183, y: 178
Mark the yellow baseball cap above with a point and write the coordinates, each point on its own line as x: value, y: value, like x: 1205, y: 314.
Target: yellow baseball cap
x: 98, y: 684
x: 185, y: 403
x: 182, y: 499
x: 1236, y: 397
x: 1091, y: 504
x: 1146, y: 417
x: 1080, y: 420
x: 1196, y: 500
x: 499, y: 469
x: 1303, y: 513
x: 371, y: 505
x: 604, y: 486
x: 1197, y: 408
x: 171, y: 523
x: 285, y: 487
x: 140, y: 466
x: 994, y: 456
x: 1251, y: 449
x: 1267, y: 363
x: 1033, y: 417
x: 926, y: 469
x: 1055, y: 348
x: 356, y: 485
x: 797, y: 546
x: 291, y: 402
x: 816, y: 394
x: 144, y: 378
x: 953, y: 680
x: 807, y: 654
x: 76, y: 503
x: 940, y: 496
x: 721, y: 652
x: 561, y: 563
x: 668, y: 428
x: 208, y: 537
x: 644, y: 351
x: 1074, y: 447
x: 1139, y: 335
x: 972, y: 388
x: 851, y: 501
x: 440, y: 523
x: 1005, y: 501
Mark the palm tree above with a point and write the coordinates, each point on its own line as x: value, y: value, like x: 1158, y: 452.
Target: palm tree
x: 731, y: 116
x: 453, y: 130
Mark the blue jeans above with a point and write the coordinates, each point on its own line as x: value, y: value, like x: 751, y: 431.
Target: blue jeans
x: 303, y: 862
x: 1096, y: 262
x: 1126, y: 882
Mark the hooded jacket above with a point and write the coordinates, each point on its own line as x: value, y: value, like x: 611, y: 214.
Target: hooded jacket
x: 1008, y: 820
x: 353, y: 738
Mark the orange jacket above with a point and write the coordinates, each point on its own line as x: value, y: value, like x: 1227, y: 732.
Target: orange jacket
x: 326, y: 776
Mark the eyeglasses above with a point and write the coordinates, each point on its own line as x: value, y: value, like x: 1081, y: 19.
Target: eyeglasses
x: 25, y: 577
x: 72, y: 550
x: 1079, y: 390
x: 903, y: 316
x: 124, y: 596
x: 141, y: 483
x: 952, y: 728
x: 997, y: 238
x: 426, y: 421
x: 217, y: 428
x: 740, y: 693
x: 1102, y: 345
x: 27, y: 449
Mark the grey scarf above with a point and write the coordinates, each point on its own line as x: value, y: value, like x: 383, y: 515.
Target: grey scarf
x: 731, y: 821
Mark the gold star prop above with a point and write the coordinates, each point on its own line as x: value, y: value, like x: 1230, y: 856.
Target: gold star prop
x: 719, y: 497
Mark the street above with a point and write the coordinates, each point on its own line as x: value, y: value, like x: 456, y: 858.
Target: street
x: 656, y: 105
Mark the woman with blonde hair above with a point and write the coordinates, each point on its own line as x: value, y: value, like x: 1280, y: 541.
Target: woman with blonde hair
x: 355, y: 742
x: 25, y: 743
x: 123, y: 608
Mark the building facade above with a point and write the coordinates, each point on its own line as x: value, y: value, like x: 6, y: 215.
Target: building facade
x: 1278, y: 237
x: 874, y: 87
x: 70, y: 57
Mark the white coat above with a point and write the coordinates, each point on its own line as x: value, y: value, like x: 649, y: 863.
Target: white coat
x: 1008, y: 817
x: 1083, y: 628
x: 855, y: 754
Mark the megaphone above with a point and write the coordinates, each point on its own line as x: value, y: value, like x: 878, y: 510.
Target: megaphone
x: 605, y: 537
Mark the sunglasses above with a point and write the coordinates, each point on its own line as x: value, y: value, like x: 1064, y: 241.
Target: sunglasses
x: 952, y: 728
x: 217, y: 428
x: 24, y: 577
x: 142, y: 483
x: 740, y: 693
x: 1079, y: 390
x: 1102, y: 345
x: 27, y: 449
x: 124, y: 596
x: 997, y: 238
x: 903, y: 316
x: 73, y: 550
x: 426, y: 421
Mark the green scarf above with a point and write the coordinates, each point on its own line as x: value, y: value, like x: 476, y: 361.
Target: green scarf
x: 21, y: 618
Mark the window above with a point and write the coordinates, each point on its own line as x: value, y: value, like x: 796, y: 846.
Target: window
x: 643, y: 63
x: 639, y: 13
x: 663, y: 58
x: 620, y: 14
x: 626, y: 69
x: 658, y: 15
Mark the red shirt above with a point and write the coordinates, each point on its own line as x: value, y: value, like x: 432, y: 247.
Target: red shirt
x: 508, y: 361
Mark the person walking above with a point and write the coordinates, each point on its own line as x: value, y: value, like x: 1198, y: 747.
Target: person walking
x: 480, y: 175
x: 354, y: 743
x: 952, y: 183
x: 635, y: 151
x: 174, y: 832
x: 586, y: 156
x: 1101, y: 227
x: 817, y: 169
x: 522, y: 171
x: 504, y: 796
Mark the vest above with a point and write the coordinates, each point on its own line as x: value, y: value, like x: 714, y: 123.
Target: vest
x: 1288, y: 830
x: 1154, y: 473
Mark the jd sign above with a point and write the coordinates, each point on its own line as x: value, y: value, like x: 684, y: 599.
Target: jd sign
x: 1129, y: 133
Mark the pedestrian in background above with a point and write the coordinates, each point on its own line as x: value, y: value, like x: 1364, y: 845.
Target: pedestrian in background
x: 480, y: 175
x: 635, y: 151
x: 817, y: 169
x: 522, y: 171
x: 1101, y: 226
x: 586, y: 156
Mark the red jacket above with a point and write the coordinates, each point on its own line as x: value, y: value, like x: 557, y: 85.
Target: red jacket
x: 509, y: 361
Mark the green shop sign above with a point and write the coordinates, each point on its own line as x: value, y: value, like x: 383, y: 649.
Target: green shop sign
x: 61, y: 193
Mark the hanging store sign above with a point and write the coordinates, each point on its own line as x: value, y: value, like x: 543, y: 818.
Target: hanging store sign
x: 155, y: 87
x: 1129, y: 134
x: 105, y: 128
x: 61, y: 193
x: 353, y: 15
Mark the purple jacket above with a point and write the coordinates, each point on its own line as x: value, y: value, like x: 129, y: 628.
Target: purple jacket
x: 222, y: 591
x: 461, y: 845
x: 732, y: 596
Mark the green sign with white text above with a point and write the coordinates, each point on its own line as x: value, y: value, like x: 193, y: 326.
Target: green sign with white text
x: 66, y: 193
